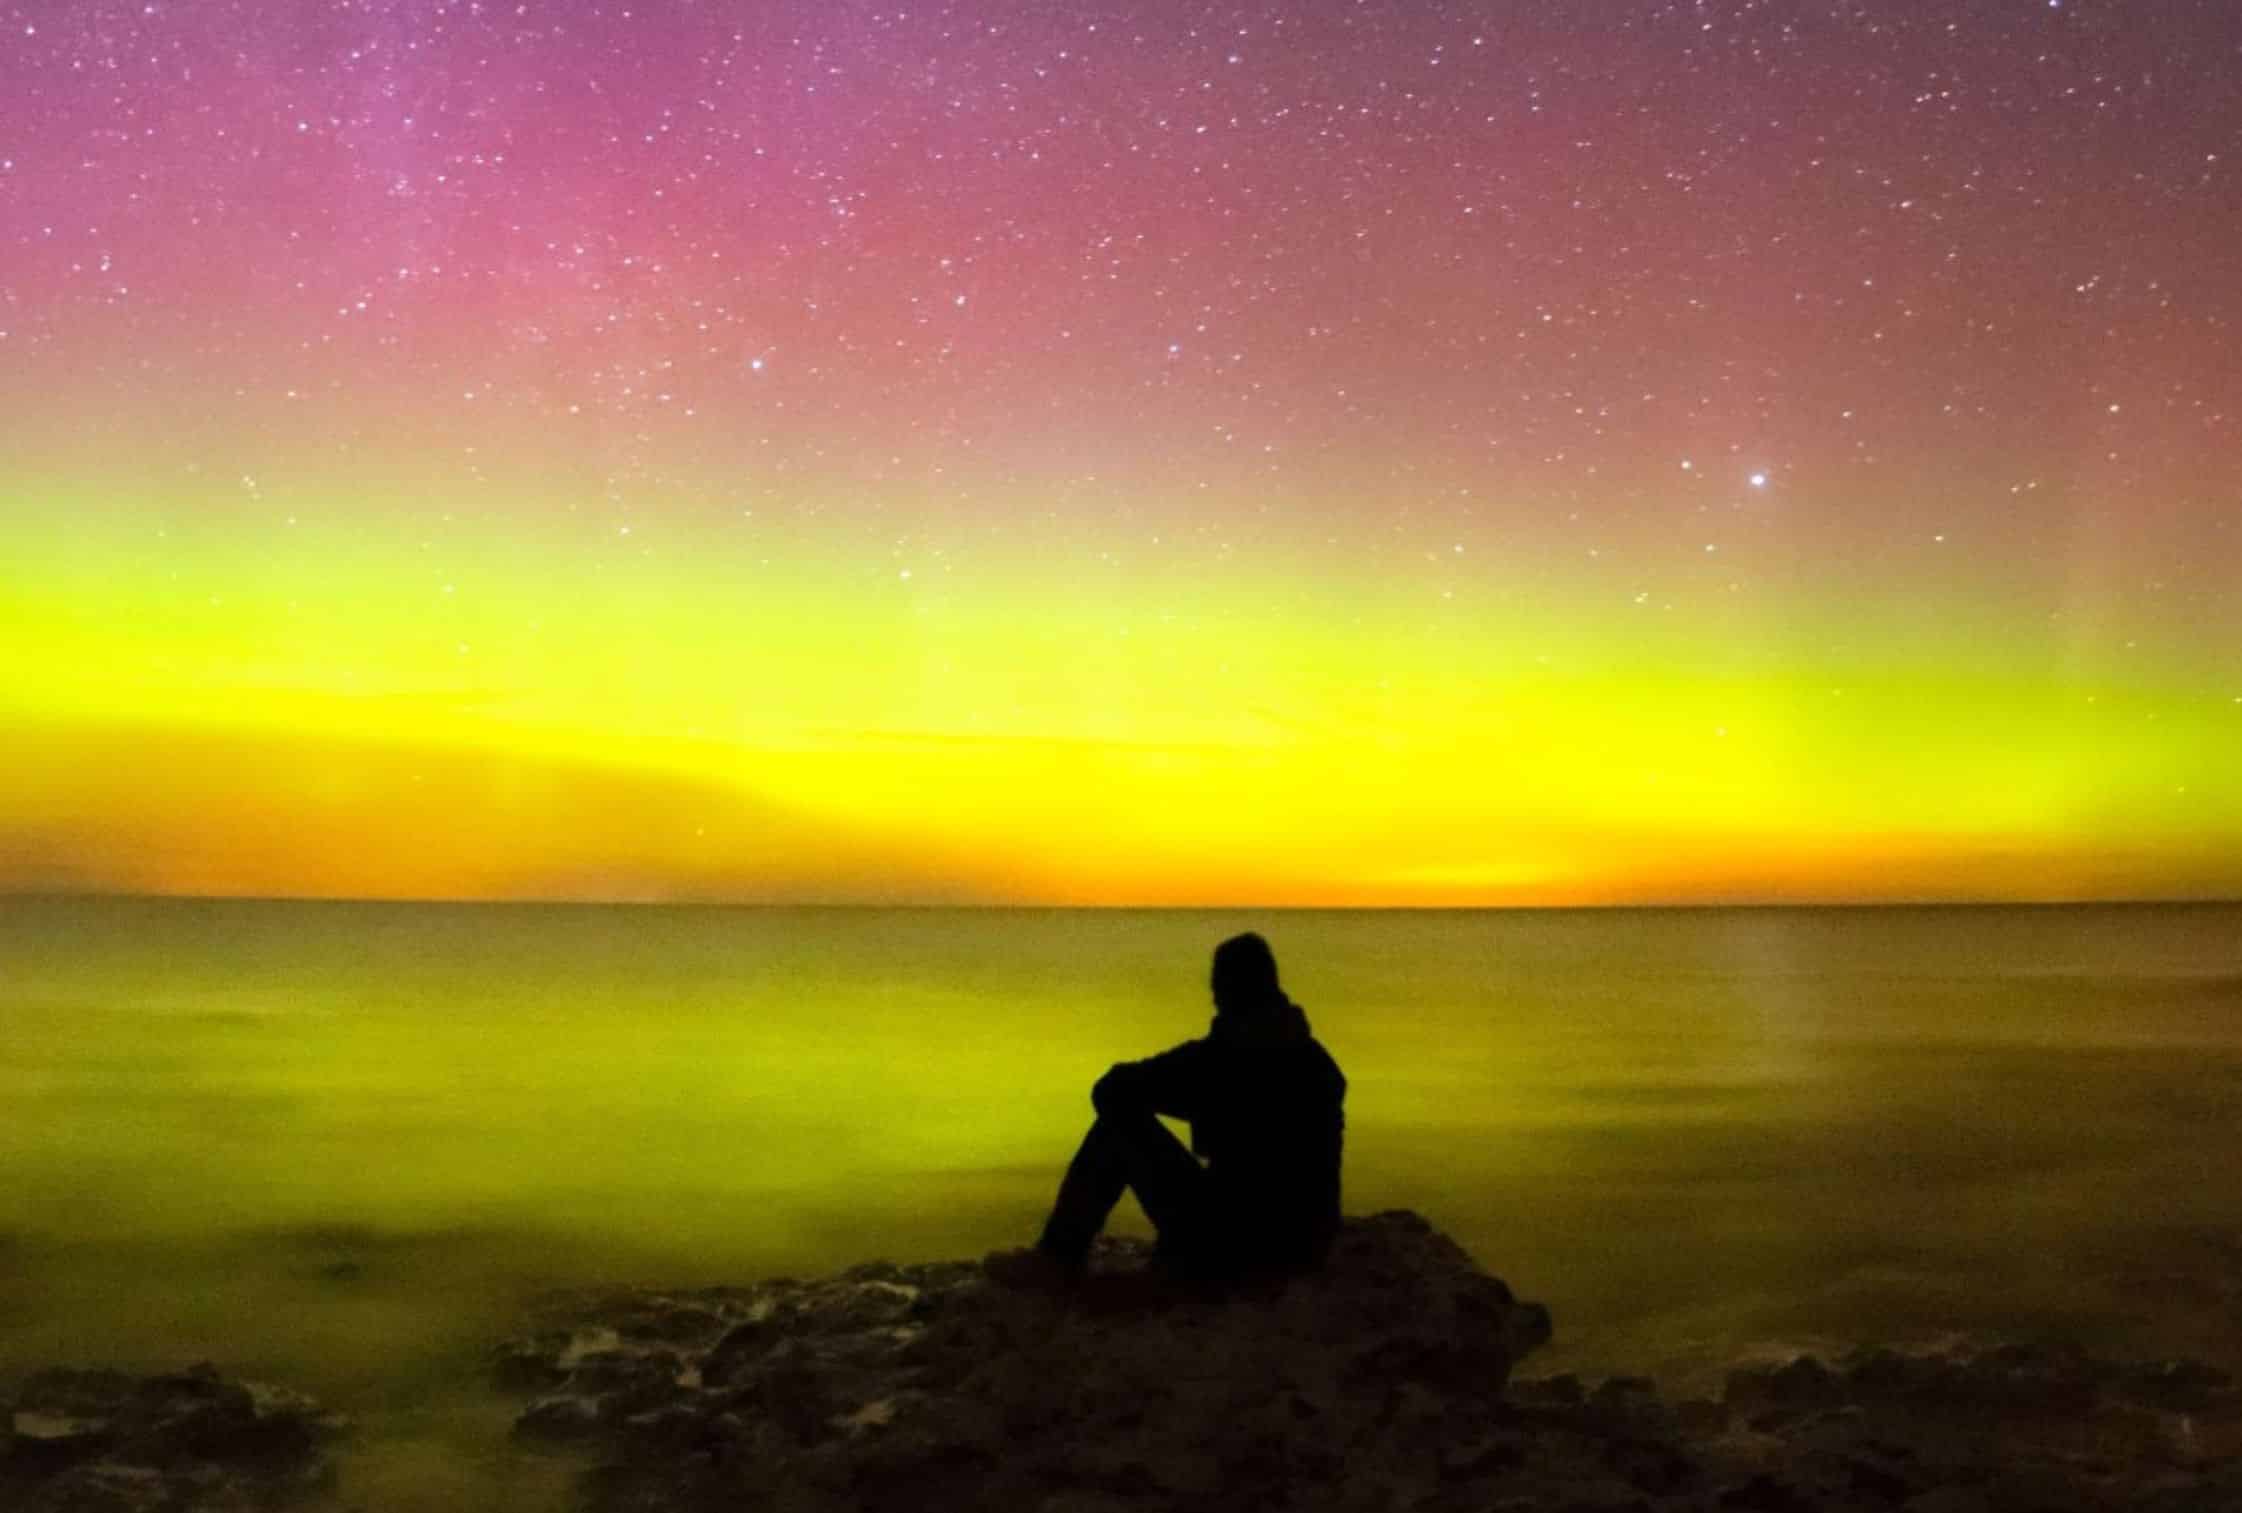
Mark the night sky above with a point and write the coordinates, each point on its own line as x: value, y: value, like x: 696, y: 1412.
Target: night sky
x: 1150, y: 453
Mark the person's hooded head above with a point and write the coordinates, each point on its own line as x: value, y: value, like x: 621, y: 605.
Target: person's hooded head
x: 1248, y: 1001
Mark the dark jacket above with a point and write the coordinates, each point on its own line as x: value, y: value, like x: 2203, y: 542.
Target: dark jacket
x: 1264, y: 1101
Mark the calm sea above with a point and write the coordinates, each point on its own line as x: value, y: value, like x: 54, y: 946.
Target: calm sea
x: 336, y: 1143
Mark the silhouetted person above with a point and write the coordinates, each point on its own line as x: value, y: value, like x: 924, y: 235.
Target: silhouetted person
x: 1263, y: 1099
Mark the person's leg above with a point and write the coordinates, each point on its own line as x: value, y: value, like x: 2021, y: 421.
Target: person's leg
x: 1137, y: 1153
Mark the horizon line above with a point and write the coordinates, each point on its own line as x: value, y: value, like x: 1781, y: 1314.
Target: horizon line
x: 988, y: 907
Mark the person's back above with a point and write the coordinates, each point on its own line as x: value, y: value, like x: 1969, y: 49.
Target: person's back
x: 1272, y: 1136
x: 1265, y: 1103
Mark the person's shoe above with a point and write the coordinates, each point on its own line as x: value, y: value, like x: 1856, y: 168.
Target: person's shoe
x: 1031, y: 1270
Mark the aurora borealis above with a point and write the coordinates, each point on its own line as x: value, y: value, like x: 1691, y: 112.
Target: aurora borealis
x: 1318, y: 453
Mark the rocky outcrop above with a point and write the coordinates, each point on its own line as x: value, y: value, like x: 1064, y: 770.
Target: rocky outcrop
x: 101, y: 1441
x: 930, y: 1388
x: 1381, y: 1383
x: 2011, y: 1429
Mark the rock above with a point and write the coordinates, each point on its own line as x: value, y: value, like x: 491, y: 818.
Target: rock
x: 1653, y: 1466
x: 1948, y: 1500
x: 1771, y: 1395
x: 1382, y: 1382
x: 530, y: 1365
x: 920, y: 1386
x: 1481, y: 1456
x: 105, y: 1487
x: 740, y: 1345
x: 788, y: 1386
x: 2178, y: 1386
x: 1086, y: 1502
x: 675, y: 1322
x: 102, y: 1441
x: 197, y: 1414
x: 1876, y: 1480
x: 2041, y: 1489
x: 1765, y: 1494
x: 560, y: 1418
x: 1627, y: 1401
x: 628, y: 1381
x: 51, y: 1441
x: 1563, y: 1391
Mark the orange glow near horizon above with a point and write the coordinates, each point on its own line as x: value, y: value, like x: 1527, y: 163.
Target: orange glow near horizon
x: 345, y: 719
x: 1344, y: 456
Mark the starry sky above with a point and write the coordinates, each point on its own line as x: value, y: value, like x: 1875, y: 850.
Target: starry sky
x: 1322, y: 452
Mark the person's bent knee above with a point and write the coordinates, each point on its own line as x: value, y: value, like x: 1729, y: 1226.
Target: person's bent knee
x: 1105, y: 1096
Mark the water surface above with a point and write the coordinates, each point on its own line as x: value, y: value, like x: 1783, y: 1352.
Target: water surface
x: 338, y: 1143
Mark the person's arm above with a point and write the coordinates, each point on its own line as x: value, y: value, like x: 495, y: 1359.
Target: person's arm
x: 1171, y: 1083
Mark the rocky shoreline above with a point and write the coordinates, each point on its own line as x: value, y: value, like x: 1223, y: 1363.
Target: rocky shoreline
x: 104, y: 1441
x: 1381, y: 1383
x: 1385, y: 1382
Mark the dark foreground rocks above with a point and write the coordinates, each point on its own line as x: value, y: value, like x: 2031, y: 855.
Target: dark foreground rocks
x: 2012, y: 1429
x: 930, y: 1388
x: 1379, y: 1384
x: 190, y: 1441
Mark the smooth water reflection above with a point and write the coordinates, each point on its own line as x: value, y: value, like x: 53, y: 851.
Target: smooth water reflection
x: 337, y: 1143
